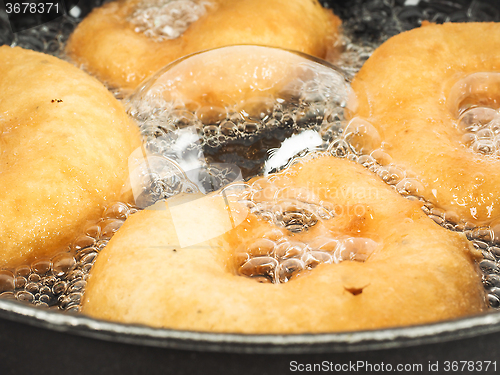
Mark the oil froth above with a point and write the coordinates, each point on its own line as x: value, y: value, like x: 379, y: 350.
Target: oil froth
x: 167, y: 19
x: 305, y: 228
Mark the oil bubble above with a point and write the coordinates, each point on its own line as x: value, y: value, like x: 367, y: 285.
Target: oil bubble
x: 362, y: 136
x: 164, y: 20
x: 259, y: 98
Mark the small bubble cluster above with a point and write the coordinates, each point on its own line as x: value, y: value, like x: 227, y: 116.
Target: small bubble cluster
x: 277, y: 258
x: 59, y: 282
x: 292, y: 214
x: 161, y: 178
x: 167, y: 19
x: 481, y: 128
x: 286, y: 250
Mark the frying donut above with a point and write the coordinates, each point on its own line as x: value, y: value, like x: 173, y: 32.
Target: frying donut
x: 116, y: 44
x: 429, y: 98
x: 184, y: 265
x: 65, y: 142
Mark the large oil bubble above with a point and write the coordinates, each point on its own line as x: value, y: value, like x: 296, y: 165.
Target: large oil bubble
x: 242, y: 103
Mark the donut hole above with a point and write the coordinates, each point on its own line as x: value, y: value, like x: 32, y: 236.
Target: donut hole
x: 476, y: 118
x: 481, y: 130
x: 286, y: 258
x: 475, y: 103
x: 480, y: 89
x: 291, y: 230
x: 299, y: 235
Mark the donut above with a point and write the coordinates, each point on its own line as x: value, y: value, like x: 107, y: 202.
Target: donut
x: 428, y: 103
x: 64, y: 153
x: 124, y: 42
x: 297, y: 251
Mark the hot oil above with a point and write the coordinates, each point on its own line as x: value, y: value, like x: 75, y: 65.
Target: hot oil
x: 167, y: 19
x: 250, y: 143
x: 250, y: 150
x: 290, y: 231
x: 59, y: 282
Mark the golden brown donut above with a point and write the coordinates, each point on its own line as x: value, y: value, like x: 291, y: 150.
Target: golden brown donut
x: 420, y: 91
x: 65, y: 142
x: 106, y: 44
x: 163, y: 269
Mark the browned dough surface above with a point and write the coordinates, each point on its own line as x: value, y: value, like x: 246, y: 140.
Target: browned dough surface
x: 64, y: 148
x: 404, y: 92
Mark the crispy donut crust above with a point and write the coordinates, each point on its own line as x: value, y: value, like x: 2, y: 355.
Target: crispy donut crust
x: 106, y: 44
x: 420, y: 273
x: 65, y: 142
x: 404, y: 92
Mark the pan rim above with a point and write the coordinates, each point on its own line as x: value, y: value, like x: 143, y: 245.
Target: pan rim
x: 337, y: 342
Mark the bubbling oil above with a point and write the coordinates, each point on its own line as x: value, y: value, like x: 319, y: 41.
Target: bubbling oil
x: 242, y: 105
x: 475, y: 102
x: 287, y: 250
x: 167, y: 19
x: 59, y: 282
x: 481, y: 130
x: 279, y: 260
